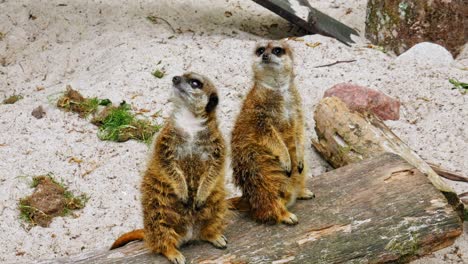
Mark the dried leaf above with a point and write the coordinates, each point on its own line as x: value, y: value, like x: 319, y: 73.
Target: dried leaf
x: 313, y: 45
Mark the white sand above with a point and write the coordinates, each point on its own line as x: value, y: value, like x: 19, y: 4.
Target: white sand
x: 109, y: 49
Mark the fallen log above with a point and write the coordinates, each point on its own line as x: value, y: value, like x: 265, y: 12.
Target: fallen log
x: 448, y: 174
x: 345, y: 137
x: 362, y: 213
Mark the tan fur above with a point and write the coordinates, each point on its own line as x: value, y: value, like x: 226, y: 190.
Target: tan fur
x: 268, y: 141
x: 183, y: 196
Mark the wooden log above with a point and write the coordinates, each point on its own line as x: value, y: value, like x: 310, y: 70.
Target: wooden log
x: 361, y: 214
x: 448, y: 174
x: 345, y: 137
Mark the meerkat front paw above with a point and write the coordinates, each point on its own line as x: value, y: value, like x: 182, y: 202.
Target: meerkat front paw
x: 176, y: 257
x: 290, y: 219
x: 219, y: 242
x: 306, y: 194
x: 199, y: 204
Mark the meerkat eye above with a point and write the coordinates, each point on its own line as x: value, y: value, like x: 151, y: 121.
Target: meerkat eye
x: 196, y: 84
x: 278, y: 51
x: 260, y: 51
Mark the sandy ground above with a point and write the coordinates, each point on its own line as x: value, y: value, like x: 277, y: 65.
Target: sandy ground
x: 109, y: 49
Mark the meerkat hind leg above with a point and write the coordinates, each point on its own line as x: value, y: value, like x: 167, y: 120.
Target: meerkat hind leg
x: 266, y: 211
x: 211, y: 232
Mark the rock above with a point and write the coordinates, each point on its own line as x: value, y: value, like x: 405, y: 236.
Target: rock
x: 38, y: 112
x: 363, y: 99
x: 399, y: 25
x: 426, y: 53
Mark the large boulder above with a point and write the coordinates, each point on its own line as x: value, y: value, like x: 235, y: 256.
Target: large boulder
x: 397, y: 25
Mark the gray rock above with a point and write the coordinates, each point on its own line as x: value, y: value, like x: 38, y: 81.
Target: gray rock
x: 426, y: 53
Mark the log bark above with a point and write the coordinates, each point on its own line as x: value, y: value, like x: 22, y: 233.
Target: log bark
x: 361, y: 214
x: 345, y: 137
x: 399, y: 25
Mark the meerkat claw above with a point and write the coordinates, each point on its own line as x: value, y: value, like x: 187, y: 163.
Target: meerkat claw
x: 290, y: 219
x: 177, y: 259
x: 220, y: 242
x: 300, y: 167
x: 306, y: 195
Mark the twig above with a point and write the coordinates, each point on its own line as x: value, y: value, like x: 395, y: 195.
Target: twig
x: 334, y: 63
x: 153, y: 18
x: 448, y: 174
x: 463, y: 194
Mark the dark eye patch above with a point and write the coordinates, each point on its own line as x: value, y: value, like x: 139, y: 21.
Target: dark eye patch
x: 278, y: 51
x: 196, y: 84
x: 260, y: 51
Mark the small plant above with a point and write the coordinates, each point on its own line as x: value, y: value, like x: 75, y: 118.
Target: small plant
x: 49, y: 199
x: 461, y: 86
x: 13, y: 99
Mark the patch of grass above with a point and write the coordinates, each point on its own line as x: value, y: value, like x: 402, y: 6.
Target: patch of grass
x: 120, y: 124
x: 461, y: 86
x: 50, y: 199
x: 13, y: 99
x: 115, y: 123
x: 2, y: 36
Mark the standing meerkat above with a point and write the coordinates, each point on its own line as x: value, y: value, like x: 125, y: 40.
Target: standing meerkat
x: 183, y: 196
x: 268, y: 140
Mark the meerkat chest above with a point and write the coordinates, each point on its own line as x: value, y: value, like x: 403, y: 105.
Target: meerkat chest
x: 287, y: 110
x: 190, y: 129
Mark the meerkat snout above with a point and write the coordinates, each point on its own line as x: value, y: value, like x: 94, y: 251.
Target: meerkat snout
x: 176, y: 80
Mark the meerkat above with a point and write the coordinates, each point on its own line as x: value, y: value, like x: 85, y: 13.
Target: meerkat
x: 183, y: 195
x: 267, y: 141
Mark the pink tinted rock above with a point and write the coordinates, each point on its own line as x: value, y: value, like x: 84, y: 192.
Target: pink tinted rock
x: 362, y: 99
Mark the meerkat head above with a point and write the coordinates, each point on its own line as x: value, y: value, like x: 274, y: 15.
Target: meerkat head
x: 273, y: 62
x: 195, y: 92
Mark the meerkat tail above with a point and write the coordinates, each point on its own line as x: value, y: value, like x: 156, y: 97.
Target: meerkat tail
x: 239, y: 204
x: 137, y: 234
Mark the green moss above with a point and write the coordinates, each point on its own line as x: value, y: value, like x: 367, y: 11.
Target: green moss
x: 158, y: 73
x: 405, y: 246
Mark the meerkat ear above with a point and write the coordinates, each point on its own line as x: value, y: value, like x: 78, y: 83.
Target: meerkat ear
x: 212, y: 102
